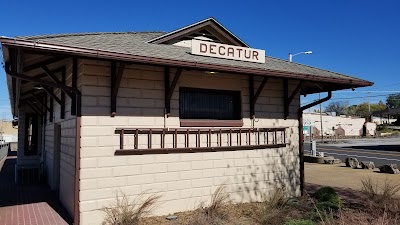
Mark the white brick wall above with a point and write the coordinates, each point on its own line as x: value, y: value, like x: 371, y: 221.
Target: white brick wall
x: 183, y: 180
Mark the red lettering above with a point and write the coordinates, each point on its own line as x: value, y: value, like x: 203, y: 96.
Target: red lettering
x: 212, y: 48
x: 231, y: 51
x: 219, y: 50
x: 255, y: 55
x: 203, y: 48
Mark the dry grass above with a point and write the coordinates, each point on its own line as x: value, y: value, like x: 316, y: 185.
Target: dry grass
x: 277, y: 209
x: 382, y: 198
x: 345, y: 217
x: 213, y: 213
x: 218, y: 200
x: 126, y: 212
x: 383, y: 193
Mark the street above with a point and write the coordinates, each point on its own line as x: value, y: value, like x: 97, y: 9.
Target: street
x: 379, y: 151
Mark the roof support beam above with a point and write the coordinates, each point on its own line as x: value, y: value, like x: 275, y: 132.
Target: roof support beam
x: 42, y: 75
x: 166, y: 84
x: 43, y: 63
x: 33, y: 107
x: 62, y: 113
x: 51, y: 104
x: 74, y: 84
x: 254, y: 97
x: 28, y: 93
x: 287, y: 100
x: 56, y: 80
x: 169, y: 89
x: 40, y: 102
x: 51, y: 93
x: 116, y: 77
x: 295, y: 91
x: 48, y: 109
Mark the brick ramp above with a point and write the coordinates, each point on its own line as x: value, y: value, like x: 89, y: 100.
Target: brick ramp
x: 28, y: 204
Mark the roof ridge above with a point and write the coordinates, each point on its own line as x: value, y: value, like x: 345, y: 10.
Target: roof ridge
x: 48, y: 36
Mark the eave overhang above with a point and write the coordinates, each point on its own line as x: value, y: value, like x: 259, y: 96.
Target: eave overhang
x: 328, y: 83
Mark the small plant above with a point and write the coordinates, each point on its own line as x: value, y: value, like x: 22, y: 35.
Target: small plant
x: 300, y: 222
x: 277, y: 200
x: 272, y: 209
x: 218, y: 200
x: 380, y: 193
x: 328, y: 199
x: 125, y: 212
x: 212, y: 213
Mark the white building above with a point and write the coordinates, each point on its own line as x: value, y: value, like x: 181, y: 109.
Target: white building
x: 337, y: 125
x: 150, y: 111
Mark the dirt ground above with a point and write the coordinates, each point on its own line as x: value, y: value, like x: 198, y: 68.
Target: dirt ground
x: 346, y: 181
x: 343, y: 177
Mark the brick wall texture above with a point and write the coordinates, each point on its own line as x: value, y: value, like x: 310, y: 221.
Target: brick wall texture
x: 184, y: 180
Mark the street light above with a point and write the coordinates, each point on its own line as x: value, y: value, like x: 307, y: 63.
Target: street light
x: 291, y: 55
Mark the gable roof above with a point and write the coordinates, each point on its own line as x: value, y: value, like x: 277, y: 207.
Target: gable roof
x: 210, y: 25
x: 139, y: 47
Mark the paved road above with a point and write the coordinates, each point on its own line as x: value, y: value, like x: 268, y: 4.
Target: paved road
x: 380, y: 151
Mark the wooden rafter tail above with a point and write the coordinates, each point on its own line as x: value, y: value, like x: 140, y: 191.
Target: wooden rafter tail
x: 171, y: 88
x: 43, y: 63
x: 288, y: 100
x: 254, y: 97
x: 116, y: 77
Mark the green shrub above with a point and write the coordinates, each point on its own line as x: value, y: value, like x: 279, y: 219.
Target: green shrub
x: 328, y: 194
x: 327, y: 206
x: 300, y: 222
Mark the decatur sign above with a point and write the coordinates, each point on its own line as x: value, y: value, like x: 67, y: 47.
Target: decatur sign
x: 217, y: 50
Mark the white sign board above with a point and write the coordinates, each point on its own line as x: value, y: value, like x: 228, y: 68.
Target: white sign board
x: 224, y: 51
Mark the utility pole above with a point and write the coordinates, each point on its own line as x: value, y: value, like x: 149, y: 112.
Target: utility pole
x: 320, y: 116
x: 369, y: 104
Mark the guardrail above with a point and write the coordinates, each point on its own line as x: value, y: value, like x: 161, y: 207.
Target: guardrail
x: 4, y: 150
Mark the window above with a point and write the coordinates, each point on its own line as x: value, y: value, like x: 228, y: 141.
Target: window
x: 209, y: 104
x: 31, y: 134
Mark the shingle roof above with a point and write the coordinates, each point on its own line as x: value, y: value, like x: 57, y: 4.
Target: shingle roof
x: 135, y: 43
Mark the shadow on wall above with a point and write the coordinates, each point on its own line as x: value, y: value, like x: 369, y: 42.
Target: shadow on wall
x: 276, y: 169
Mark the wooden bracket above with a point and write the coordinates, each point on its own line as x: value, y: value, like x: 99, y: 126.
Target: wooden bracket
x: 74, y: 85
x: 56, y: 80
x: 169, y: 89
x: 44, y: 63
x: 50, y: 92
x: 287, y: 100
x: 116, y: 77
x: 62, y: 113
x: 34, y: 108
x: 40, y: 102
x: 254, y: 97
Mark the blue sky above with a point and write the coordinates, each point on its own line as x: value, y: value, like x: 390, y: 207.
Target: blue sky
x: 359, y: 38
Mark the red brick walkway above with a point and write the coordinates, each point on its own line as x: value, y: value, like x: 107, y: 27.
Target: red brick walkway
x: 28, y: 204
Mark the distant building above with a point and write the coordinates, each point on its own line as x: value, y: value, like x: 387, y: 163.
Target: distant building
x: 336, y: 125
x: 7, y: 132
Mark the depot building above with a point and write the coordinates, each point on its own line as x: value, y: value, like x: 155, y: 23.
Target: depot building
x: 175, y: 113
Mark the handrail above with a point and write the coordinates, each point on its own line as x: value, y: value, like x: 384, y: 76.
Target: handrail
x: 181, y: 140
x: 4, y: 150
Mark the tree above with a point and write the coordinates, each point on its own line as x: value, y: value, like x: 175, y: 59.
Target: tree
x: 378, y: 106
x: 393, y: 101
x: 339, y: 108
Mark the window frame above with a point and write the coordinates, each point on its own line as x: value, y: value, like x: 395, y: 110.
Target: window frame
x: 212, y: 122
